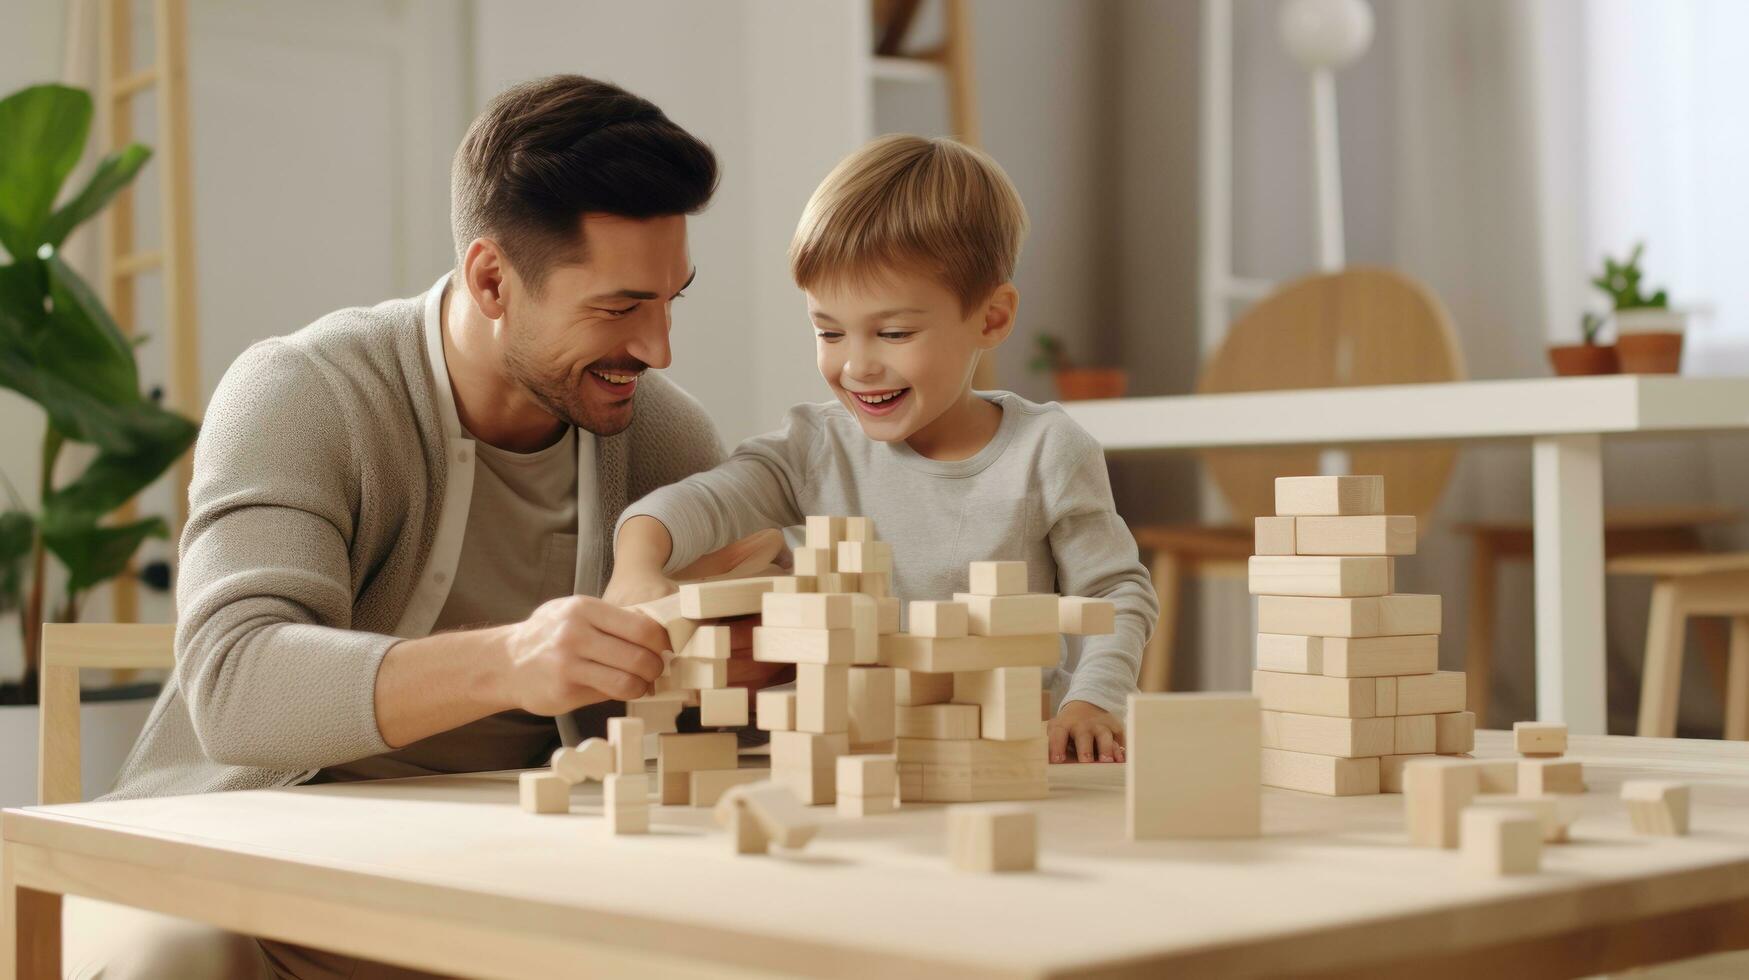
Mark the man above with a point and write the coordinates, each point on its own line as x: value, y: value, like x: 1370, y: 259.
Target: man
x: 400, y: 515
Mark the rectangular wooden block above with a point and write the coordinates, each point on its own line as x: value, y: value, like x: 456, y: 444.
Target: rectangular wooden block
x: 777, y: 644
x: 1329, y: 496
x: 955, y: 783
x: 877, y: 584
x: 865, y: 556
x: 723, y: 708
x: 854, y: 807
x: 708, y: 643
x: 888, y: 620
x: 1316, y: 694
x: 865, y: 626
x: 1454, y: 732
x: 965, y: 770
x: 992, y: 838
x: 1287, y: 653
x: 1537, y: 777
x: 808, y: 763
x: 1082, y: 616
x: 936, y: 721
x: 1326, y: 775
x: 657, y: 714
x: 1349, y: 738
x: 1274, y: 536
x: 543, y: 792
x: 868, y: 775
x: 1435, y: 792
x: 706, y: 786
x: 822, y: 698
x: 805, y: 610
x: 1657, y: 807
x: 626, y: 737
x: 1380, y: 656
x: 1391, y: 771
x: 872, y: 717
x: 859, y: 529
x: 1539, y: 738
x: 666, y: 611
x: 1415, y: 735
x: 1320, y: 575
x: 1376, y: 534
x: 1498, y: 841
x: 837, y: 582
x: 1384, y: 698
x: 944, y: 620
x: 725, y: 597
x: 998, y: 578
x: 1440, y: 692
x: 823, y: 532
x: 1497, y: 776
x: 1008, y: 700
x: 816, y: 562
x: 919, y: 687
x: 1387, y: 615
x: 626, y: 803
x: 980, y: 753
x: 1193, y: 766
x: 775, y: 711
x: 1027, y: 614
x: 938, y: 655
x: 700, y: 675
x: 678, y: 755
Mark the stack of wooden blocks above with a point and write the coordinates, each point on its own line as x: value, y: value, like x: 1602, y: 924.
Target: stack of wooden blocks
x: 1347, y: 668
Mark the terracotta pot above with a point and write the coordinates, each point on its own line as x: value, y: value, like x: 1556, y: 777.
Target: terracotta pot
x: 1081, y: 384
x: 1581, y: 359
x: 1654, y: 352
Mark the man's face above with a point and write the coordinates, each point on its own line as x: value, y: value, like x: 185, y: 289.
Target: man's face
x: 580, y: 346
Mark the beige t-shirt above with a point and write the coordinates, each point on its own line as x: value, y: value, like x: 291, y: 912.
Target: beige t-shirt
x: 519, y: 550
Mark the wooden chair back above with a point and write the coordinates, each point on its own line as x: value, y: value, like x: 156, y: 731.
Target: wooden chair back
x: 68, y: 648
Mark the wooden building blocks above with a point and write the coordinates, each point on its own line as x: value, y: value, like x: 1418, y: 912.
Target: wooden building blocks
x: 992, y: 837
x: 625, y: 802
x: 1539, y: 776
x: 805, y: 610
x: 1274, y: 536
x: 592, y: 759
x: 1024, y: 614
x: 1317, y: 575
x: 822, y: 698
x: 677, y: 756
x: 998, y: 578
x: 1539, y: 739
x: 1194, y: 766
x: 872, y: 709
x: 1500, y: 841
x: 921, y: 687
x: 1081, y: 616
x: 775, y: 711
x: 1657, y: 807
x: 541, y: 791
x: 777, y: 644
x: 761, y: 814
x: 1329, y: 496
x: 706, y: 786
x: 1454, y: 732
x: 1373, y: 534
x: 1290, y: 654
x: 937, y: 721
x: 938, y: 655
x: 1322, y: 774
x: 1435, y: 792
x: 722, y: 707
x: 1007, y: 698
x: 1379, y: 656
x: 867, y: 785
x: 725, y: 597
x: 1399, y: 614
x: 807, y: 763
x: 1348, y: 738
x: 626, y: 737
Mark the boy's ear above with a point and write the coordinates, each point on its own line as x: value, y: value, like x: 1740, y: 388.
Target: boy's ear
x: 999, y: 313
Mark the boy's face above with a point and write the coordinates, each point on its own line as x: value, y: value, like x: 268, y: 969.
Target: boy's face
x: 897, y: 349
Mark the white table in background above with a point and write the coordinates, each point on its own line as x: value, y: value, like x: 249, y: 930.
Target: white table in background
x: 1565, y: 419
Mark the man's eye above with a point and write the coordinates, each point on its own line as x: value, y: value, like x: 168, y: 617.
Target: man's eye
x: 613, y: 312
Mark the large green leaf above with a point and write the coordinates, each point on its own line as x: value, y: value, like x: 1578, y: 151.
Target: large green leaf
x: 82, y: 343
x: 17, y: 533
x: 113, y: 174
x: 92, y: 553
x: 113, y: 479
x: 42, y: 135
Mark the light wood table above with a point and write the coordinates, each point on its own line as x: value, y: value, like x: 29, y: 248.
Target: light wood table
x: 1564, y: 419
x: 446, y: 873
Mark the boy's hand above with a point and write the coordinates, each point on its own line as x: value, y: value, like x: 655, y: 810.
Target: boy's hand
x: 628, y: 588
x: 1097, y: 734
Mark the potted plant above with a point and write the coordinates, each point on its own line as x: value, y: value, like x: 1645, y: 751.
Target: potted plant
x: 1075, y: 383
x: 60, y: 349
x: 1589, y: 357
x: 1648, y: 333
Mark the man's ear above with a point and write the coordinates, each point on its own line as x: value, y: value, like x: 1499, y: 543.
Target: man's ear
x: 999, y: 313
x: 486, y: 272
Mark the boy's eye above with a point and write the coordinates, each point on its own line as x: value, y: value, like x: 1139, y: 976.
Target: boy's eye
x: 829, y: 336
x: 896, y: 334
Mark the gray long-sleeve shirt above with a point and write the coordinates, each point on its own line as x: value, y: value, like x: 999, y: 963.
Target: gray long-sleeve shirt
x: 1037, y: 493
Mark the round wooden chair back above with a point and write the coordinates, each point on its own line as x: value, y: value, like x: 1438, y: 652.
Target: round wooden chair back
x: 1361, y: 326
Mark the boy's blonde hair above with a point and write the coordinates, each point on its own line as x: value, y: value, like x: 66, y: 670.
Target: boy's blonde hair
x: 903, y: 202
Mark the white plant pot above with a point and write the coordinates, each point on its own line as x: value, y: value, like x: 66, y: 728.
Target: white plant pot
x: 107, y: 730
x: 1651, y: 321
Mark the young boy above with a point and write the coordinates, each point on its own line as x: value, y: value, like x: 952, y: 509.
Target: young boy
x: 906, y: 252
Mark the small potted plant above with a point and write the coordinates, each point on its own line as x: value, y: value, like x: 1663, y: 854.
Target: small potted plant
x: 1648, y: 333
x: 1075, y: 383
x: 1589, y: 357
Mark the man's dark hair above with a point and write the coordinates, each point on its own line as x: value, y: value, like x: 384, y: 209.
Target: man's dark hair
x: 547, y: 151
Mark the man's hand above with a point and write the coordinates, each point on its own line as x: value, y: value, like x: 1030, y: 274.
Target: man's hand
x: 630, y: 588
x: 579, y: 650
x: 1096, y: 732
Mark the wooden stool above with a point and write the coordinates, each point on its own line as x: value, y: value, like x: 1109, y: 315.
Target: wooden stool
x: 1684, y: 586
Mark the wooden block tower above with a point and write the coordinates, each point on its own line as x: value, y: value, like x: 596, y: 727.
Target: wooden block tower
x: 1347, y: 668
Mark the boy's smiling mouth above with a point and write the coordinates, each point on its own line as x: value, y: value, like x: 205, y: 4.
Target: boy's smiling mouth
x: 883, y: 402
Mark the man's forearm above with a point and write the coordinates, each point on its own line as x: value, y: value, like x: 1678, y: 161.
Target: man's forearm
x: 643, y: 545
x: 440, y: 682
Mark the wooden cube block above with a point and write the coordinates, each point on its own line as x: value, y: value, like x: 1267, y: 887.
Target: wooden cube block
x: 1193, y: 766
x: 837, y: 582
x: 1497, y: 776
x: 871, y: 706
x: 1274, y: 536
x: 888, y: 607
x: 822, y: 698
x: 1539, y: 776
x: 678, y: 755
x: 591, y: 759
x: 1349, y: 738
x: 1289, y: 654
x: 1440, y: 692
x: 777, y: 644
x: 1391, y: 771
x: 1386, y: 615
x: 666, y: 612
x: 626, y: 737
x: 1539, y: 738
x: 807, y: 763
x: 853, y: 807
x: 1081, y: 616
x: 722, y: 708
x: 1008, y: 700
x: 1380, y: 656
x: 1554, y: 813
x: 865, y: 556
x: 724, y: 597
x: 775, y: 711
x: 816, y: 562
x: 657, y: 714
x: 859, y: 529
x: 914, y: 687
x: 1657, y: 807
x: 936, y: 721
x: 1500, y: 841
x: 877, y: 584
x: 1375, y: 534
x: 777, y: 817
x: 707, y: 786
x: 939, y: 619
x: 1329, y: 496
x: 745, y: 833
x: 1415, y: 735
x: 937, y: 655
x: 824, y: 532
x: 998, y: 578
x: 1384, y: 698
x: 1320, y: 575
x: 1454, y: 732
x: 708, y: 643
x: 868, y: 775
x: 1435, y: 792
x: 865, y: 628
x: 700, y: 675
x: 1027, y: 614
x: 805, y: 610
x: 992, y: 837
x: 625, y: 802
x: 544, y: 792
x: 1316, y: 694
x: 1326, y: 775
